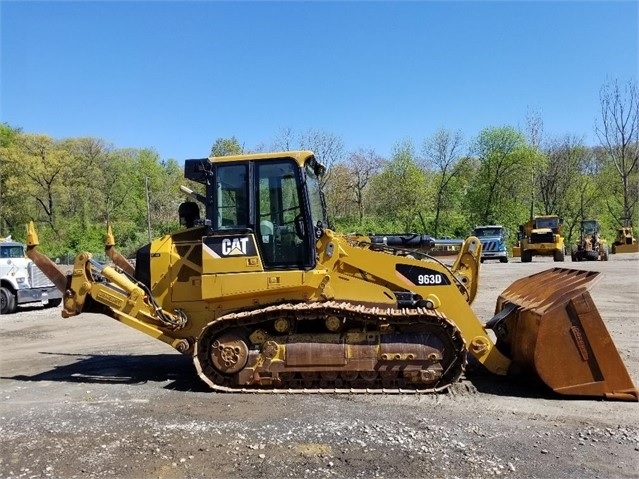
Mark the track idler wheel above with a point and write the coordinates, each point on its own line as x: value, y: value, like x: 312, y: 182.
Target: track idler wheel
x: 229, y: 353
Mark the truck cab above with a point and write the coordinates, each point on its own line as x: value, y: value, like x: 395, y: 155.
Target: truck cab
x: 493, y: 241
x: 21, y: 281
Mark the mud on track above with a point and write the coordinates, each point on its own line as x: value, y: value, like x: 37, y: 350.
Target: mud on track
x: 89, y: 397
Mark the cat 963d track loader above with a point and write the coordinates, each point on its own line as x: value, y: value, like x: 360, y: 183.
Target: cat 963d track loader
x: 266, y: 298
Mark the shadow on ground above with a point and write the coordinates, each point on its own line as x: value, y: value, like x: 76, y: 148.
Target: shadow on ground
x: 494, y: 385
x: 179, y: 372
x: 124, y: 369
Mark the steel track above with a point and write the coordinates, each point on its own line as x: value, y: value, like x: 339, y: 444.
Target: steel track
x: 365, y: 317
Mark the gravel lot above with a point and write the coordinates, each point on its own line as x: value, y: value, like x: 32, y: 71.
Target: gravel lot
x: 89, y: 397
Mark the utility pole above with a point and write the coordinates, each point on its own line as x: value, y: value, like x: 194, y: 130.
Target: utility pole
x: 532, y: 196
x: 148, y: 206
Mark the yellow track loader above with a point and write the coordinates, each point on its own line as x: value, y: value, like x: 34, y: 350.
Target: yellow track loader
x: 266, y: 298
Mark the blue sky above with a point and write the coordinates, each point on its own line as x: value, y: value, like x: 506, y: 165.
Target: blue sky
x: 174, y: 76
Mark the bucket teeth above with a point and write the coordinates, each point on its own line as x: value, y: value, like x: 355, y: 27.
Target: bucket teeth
x: 548, y: 324
x: 543, y: 290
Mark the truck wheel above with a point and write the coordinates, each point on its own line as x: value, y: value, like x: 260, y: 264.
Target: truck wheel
x: 503, y: 260
x: 526, y: 256
x: 7, y: 301
x: 558, y: 256
x: 53, y: 303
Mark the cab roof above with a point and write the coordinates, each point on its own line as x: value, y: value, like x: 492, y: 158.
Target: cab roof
x: 300, y: 157
x: 11, y: 243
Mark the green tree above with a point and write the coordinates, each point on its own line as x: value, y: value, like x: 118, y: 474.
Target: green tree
x: 398, y: 193
x: 443, y: 163
x: 8, y: 134
x: 40, y: 166
x: 8, y: 137
x: 84, y: 198
x: 503, y: 184
x: 567, y: 184
x: 226, y: 147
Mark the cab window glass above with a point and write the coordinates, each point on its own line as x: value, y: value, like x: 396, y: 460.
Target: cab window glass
x: 232, y: 196
x: 279, y: 213
x: 12, y: 252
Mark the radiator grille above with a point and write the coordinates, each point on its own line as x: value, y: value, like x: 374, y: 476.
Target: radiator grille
x: 542, y: 238
x: 490, y: 245
x: 37, y: 277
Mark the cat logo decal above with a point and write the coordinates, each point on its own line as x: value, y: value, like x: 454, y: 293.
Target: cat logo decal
x: 234, y: 246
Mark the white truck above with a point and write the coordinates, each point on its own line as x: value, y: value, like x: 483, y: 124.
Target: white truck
x: 21, y: 281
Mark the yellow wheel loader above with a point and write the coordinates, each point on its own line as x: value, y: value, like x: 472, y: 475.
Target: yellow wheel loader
x: 591, y: 246
x: 625, y: 241
x: 266, y: 298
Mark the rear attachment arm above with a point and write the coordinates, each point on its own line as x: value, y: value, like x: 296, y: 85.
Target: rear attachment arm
x: 94, y: 287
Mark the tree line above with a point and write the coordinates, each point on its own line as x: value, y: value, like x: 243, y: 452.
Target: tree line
x: 443, y: 185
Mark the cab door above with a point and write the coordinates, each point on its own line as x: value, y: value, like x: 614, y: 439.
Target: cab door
x: 282, y: 216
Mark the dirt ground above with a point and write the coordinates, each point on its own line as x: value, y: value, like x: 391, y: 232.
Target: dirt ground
x: 89, y: 397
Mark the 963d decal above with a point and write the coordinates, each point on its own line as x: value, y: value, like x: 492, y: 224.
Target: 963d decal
x: 420, y: 276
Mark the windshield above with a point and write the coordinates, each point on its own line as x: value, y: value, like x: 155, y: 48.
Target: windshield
x: 315, y: 195
x: 589, y: 227
x: 551, y: 223
x: 486, y: 232
x: 13, y: 251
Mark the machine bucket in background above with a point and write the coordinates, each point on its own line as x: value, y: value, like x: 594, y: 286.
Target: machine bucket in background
x: 627, y: 248
x: 548, y: 324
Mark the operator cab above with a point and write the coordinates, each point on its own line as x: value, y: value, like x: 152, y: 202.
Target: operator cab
x: 589, y: 227
x: 488, y: 231
x: 273, y: 197
x: 551, y: 223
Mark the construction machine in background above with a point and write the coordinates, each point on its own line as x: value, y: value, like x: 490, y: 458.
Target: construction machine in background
x: 266, y: 298
x: 591, y: 246
x: 540, y: 236
x: 516, y: 251
x: 625, y: 241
